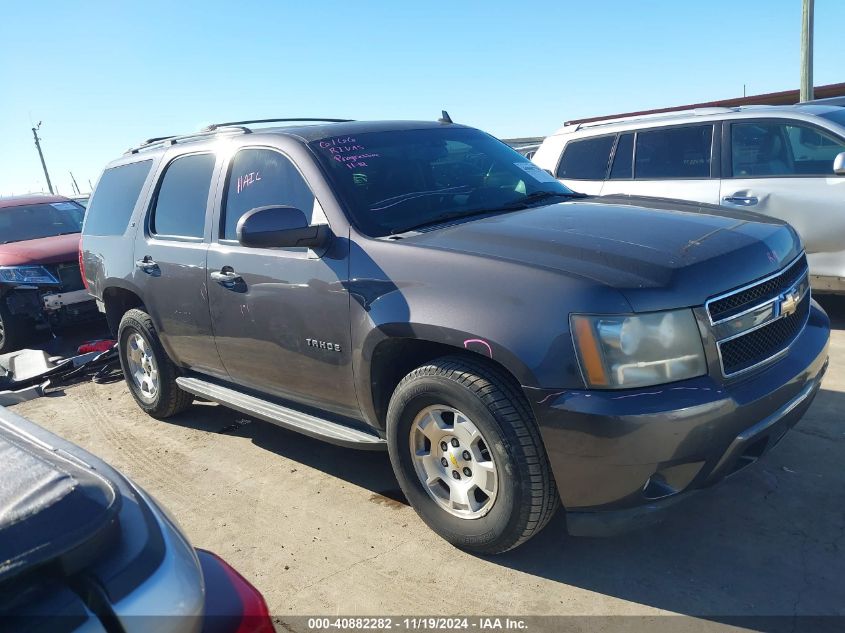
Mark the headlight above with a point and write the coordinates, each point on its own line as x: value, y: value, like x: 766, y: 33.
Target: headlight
x: 619, y: 352
x: 26, y: 275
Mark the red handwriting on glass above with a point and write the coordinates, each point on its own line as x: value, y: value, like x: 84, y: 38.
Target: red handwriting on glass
x: 248, y: 179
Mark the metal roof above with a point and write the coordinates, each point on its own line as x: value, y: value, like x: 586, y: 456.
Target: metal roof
x: 786, y: 97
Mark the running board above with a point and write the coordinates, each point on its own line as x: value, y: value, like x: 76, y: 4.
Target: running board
x: 291, y: 419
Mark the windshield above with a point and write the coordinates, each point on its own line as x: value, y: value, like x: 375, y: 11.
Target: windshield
x: 837, y: 116
x: 33, y: 221
x: 398, y: 180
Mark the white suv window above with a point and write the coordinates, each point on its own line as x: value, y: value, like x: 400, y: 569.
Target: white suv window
x: 677, y: 152
x: 586, y: 159
x: 766, y: 148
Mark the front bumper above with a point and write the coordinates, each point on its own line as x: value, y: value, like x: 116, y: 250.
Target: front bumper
x: 51, y: 307
x: 621, y: 457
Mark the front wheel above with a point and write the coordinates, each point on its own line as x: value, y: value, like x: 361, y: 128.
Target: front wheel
x: 468, y: 455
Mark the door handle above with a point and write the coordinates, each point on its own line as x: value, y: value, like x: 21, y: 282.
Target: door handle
x: 226, y: 277
x: 147, y: 265
x: 745, y: 201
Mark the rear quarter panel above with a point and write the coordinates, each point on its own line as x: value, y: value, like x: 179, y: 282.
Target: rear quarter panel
x: 109, y: 259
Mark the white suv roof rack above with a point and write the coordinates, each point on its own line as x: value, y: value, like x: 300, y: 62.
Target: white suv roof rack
x: 673, y: 114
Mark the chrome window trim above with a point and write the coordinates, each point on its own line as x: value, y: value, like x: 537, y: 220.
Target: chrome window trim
x: 724, y: 295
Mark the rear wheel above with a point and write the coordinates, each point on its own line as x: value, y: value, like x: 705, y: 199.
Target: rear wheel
x: 149, y: 372
x: 468, y: 455
x: 15, y: 331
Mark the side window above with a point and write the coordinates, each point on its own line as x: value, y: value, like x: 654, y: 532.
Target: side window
x: 180, y: 204
x: 260, y: 178
x: 586, y: 159
x: 115, y: 197
x: 679, y: 152
x: 623, y: 160
x: 760, y: 149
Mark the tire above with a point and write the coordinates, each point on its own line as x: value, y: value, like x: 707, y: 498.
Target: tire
x: 140, y: 349
x: 15, y: 331
x: 524, y: 497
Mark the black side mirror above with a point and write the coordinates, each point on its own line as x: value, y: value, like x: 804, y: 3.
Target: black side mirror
x: 273, y: 227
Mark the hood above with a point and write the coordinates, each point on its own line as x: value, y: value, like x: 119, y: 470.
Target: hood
x: 46, y: 250
x: 660, y: 254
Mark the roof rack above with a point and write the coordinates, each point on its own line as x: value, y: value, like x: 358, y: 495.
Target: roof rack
x: 214, y: 126
x: 573, y: 126
x: 163, y: 141
x: 217, y: 128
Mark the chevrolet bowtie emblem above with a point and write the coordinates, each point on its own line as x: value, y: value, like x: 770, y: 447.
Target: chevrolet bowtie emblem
x: 789, y: 303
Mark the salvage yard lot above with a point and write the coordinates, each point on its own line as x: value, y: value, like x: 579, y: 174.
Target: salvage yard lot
x: 324, y: 530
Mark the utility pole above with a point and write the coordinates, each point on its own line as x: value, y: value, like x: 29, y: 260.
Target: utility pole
x: 41, y: 155
x: 807, y: 51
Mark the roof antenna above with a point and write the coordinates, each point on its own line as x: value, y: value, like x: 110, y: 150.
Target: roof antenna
x: 444, y: 117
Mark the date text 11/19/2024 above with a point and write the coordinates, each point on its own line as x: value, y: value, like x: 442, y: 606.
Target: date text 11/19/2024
x: 417, y: 624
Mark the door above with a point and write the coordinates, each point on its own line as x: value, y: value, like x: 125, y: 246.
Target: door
x: 583, y: 165
x: 170, y: 254
x: 785, y: 169
x: 281, y: 317
x: 672, y: 162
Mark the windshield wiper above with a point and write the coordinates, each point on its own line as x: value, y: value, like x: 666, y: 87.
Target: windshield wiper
x: 445, y: 217
x: 539, y: 196
x: 522, y: 203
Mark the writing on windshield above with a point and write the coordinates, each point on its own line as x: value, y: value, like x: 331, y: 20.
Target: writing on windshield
x: 398, y: 179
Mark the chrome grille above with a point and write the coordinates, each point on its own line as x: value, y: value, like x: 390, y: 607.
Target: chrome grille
x: 744, y: 352
x: 757, y: 323
x: 728, y: 306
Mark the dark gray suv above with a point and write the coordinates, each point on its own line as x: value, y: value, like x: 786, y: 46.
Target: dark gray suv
x: 421, y: 287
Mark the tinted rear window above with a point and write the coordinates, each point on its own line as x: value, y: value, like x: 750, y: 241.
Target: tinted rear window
x: 679, y: 152
x: 586, y: 159
x: 182, y: 198
x: 114, y: 199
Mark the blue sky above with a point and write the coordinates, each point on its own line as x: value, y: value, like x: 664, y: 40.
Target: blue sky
x: 105, y: 75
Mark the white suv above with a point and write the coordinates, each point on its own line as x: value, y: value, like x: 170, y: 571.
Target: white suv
x: 783, y: 161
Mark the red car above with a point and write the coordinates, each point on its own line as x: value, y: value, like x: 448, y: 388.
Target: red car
x: 40, y: 284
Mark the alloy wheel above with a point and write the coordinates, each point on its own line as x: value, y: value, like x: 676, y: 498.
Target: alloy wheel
x: 453, y: 462
x: 142, y: 366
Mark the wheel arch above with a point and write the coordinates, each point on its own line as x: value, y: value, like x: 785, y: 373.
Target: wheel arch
x: 387, y: 360
x: 118, y: 300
